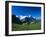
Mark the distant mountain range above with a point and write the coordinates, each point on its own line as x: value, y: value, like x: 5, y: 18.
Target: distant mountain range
x: 28, y: 19
x: 24, y: 19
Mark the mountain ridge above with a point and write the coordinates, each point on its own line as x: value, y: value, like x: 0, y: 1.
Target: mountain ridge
x: 25, y: 19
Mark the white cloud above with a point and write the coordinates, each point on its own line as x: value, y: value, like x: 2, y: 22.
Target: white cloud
x: 34, y: 17
x: 16, y: 16
x: 38, y: 18
x: 29, y: 16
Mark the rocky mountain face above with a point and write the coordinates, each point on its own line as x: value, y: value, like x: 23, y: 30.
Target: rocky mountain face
x: 21, y: 20
x: 28, y: 19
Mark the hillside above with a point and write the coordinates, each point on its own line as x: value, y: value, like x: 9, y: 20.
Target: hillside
x: 25, y: 23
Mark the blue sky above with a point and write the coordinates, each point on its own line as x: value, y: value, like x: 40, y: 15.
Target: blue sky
x: 26, y: 11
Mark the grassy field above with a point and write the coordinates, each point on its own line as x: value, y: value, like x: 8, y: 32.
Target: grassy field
x: 24, y: 26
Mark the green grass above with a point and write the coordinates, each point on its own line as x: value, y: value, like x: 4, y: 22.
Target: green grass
x: 33, y: 26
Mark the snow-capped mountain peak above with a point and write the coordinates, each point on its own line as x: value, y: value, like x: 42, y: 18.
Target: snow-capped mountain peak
x: 21, y: 17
